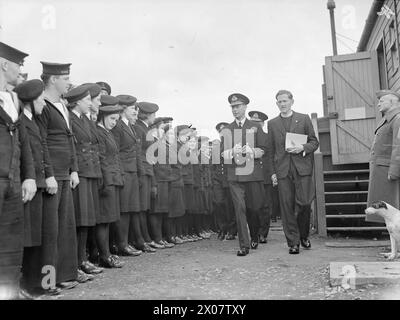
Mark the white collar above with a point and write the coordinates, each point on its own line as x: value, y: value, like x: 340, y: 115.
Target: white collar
x: 144, y: 123
x: 126, y: 121
x: 242, y: 121
x: 76, y: 113
x: 28, y: 114
x: 101, y: 126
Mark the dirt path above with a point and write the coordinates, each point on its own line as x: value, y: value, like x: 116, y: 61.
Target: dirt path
x: 210, y: 269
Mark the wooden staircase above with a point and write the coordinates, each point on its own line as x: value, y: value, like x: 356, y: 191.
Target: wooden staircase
x: 341, y: 190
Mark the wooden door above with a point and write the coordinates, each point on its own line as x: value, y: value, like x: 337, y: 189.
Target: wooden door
x: 351, y: 84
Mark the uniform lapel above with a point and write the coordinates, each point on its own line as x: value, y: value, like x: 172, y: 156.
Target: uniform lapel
x: 126, y: 128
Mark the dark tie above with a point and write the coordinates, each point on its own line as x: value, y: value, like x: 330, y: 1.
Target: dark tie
x: 240, y: 124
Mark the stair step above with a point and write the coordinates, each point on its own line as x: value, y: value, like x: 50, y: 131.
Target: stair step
x: 355, y: 228
x: 345, y: 204
x: 345, y: 216
x: 346, y: 171
x: 345, y: 192
x: 346, y: 181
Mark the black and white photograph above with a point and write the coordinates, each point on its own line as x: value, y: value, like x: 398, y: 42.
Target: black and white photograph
x: 218, y: 151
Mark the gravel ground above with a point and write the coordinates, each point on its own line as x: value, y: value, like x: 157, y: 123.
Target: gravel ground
x: 210, y: 269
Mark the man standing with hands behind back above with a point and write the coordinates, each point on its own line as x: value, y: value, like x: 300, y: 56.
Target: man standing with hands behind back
x: 384, y: 183
x: 292, y: 170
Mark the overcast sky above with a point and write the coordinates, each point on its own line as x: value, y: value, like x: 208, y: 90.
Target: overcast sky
x: 188, y: 55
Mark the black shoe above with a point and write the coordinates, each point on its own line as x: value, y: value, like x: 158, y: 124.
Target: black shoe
x: 147, y: 248
x: 254, y: 244
x: 128, y: 252
x: 110, y: 262
x: 263, y: 239
x: 89, y: 268
x: 294, y: 250
x: 305, y: 243
x: 243, y: 252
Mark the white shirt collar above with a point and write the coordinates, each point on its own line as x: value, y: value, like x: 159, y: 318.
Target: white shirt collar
x: 242, y: 121
x: 8, y: 105
x: 76, y: 113
x: 28, y: 114
x: 144, y: 123
x: 125, y: 121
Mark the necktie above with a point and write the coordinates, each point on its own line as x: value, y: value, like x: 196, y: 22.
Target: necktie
x: 240, y: 124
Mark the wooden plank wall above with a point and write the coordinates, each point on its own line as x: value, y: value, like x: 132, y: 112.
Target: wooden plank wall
x: 381, y: 31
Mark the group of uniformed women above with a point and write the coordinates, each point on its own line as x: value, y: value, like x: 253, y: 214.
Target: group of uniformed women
x: 143, y: 185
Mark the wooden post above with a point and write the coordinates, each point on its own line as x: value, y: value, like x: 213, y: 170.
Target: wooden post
x: 319, y: 183
x: 331, y: 7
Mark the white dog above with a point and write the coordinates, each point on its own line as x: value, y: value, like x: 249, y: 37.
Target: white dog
x: 392, y: 220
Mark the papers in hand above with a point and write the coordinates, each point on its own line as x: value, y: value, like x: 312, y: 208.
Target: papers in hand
x: 295, y: 139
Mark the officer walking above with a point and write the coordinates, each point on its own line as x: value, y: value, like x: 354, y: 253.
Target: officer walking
x: 244, y: 147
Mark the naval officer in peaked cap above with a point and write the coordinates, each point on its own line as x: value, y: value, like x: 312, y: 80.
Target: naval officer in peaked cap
x: 244, y: 150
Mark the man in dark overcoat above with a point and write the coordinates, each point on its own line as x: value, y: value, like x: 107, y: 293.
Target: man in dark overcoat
x: 384, y: 177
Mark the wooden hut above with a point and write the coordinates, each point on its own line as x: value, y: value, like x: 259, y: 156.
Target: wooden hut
x: 346, y: 129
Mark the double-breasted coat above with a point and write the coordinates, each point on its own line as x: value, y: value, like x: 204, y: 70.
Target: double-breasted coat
x: 112, y: 177
x: 86, y: 200
x: 129, y: 147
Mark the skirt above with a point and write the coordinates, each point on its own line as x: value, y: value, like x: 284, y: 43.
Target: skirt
x: 145, y: 192
x: 176, y: 203
x: 109, y: 205
x: 86, y: 202
x: 33, y: 212
x: 198, y: 201
x: 130, y: 196
x: 188, y: 195
x: 161, y: 203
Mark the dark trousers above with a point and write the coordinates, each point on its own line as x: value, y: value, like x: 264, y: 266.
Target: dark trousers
x: 59, y: 243
x: 273, y: 197
x: 295, y: 197
x: 265, y: 216
x: 247, y: 216
x: 11, y: 238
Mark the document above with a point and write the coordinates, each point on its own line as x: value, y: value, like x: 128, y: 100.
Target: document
x: 295, y: 139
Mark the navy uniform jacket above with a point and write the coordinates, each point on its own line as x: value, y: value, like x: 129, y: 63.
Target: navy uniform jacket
x: 59, y: 141
x: 142, y: 130
x: 86, y: 151
x: 40, y: 157
x: 109, y: 159
x: 280, y: 159
x: 256, y: 131
x: 129, y: 147
x: 96, y: 145
x: 176, y: 169
x: 16, y: 160
x: 162, y: 171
